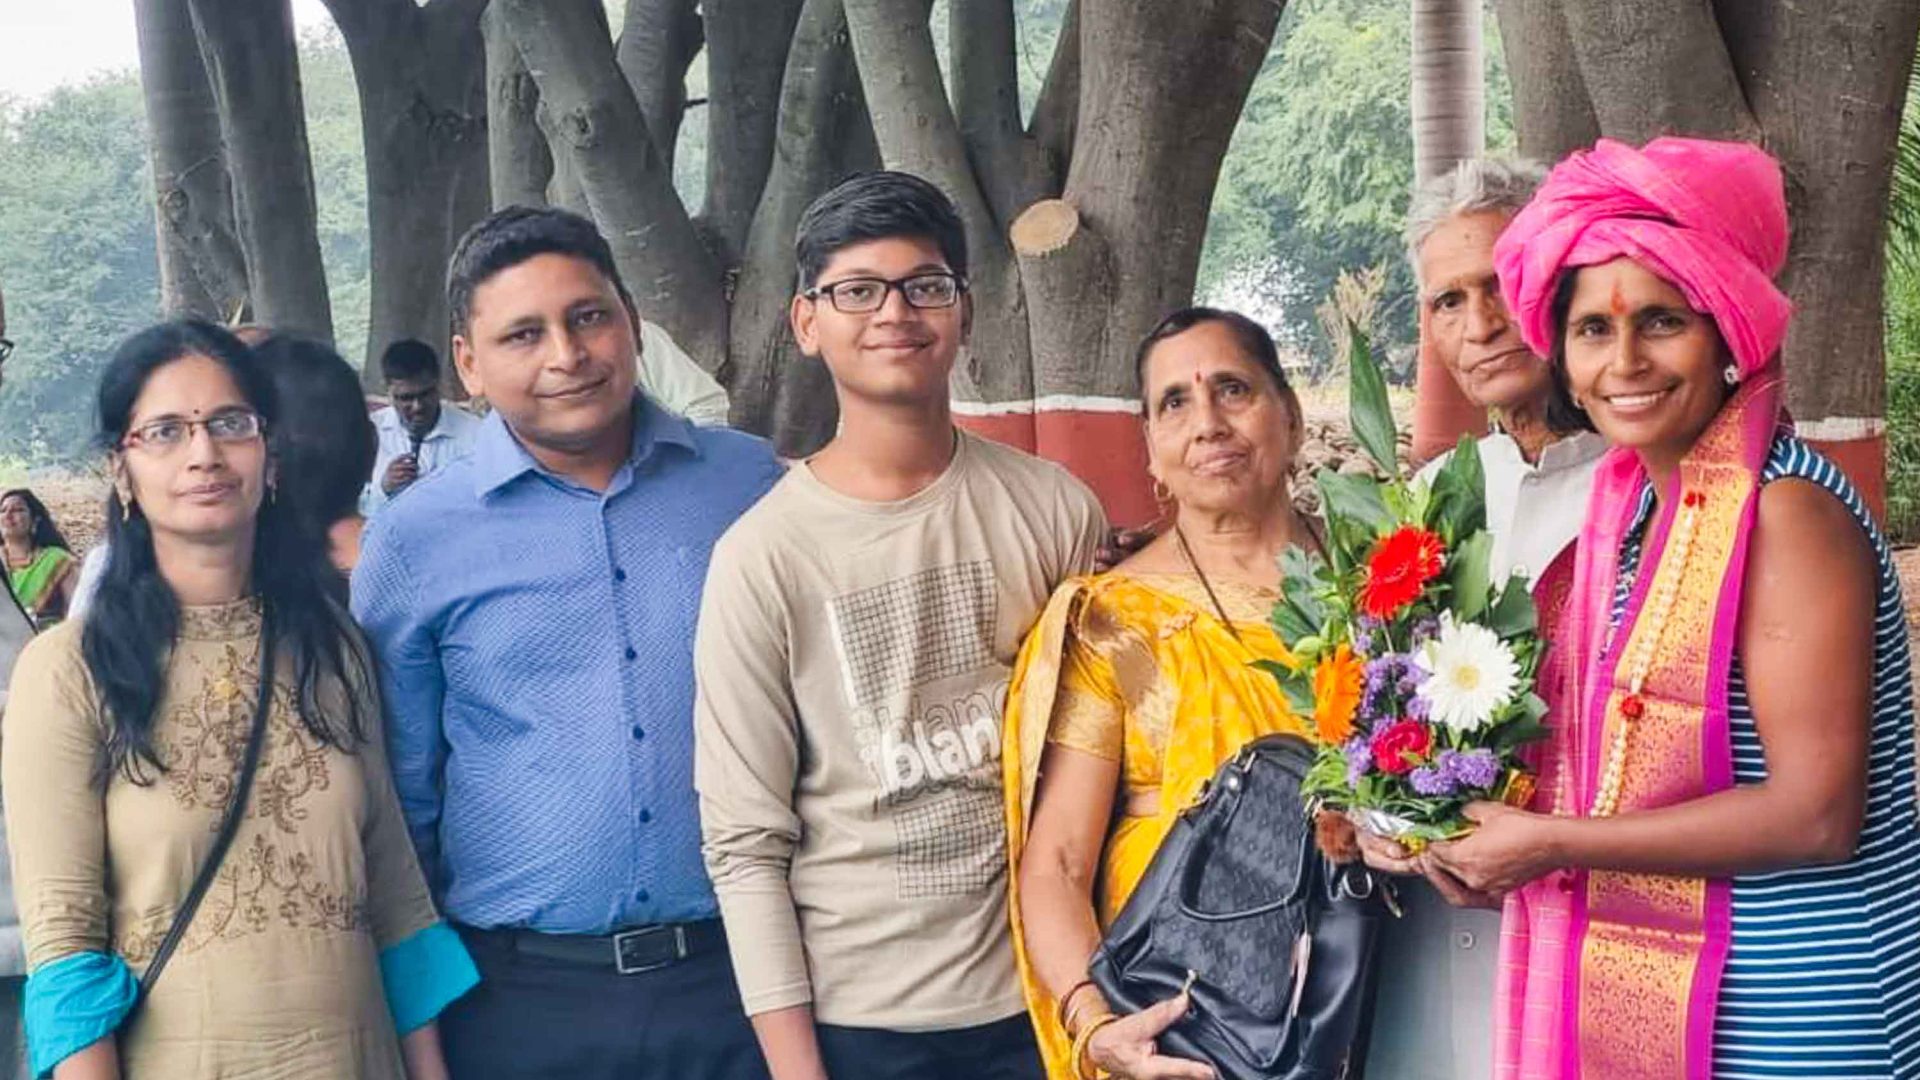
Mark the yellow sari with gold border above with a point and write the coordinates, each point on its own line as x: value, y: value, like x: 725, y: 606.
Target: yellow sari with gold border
x: 1139, y: 670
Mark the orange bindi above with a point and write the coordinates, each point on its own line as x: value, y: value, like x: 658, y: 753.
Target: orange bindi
x: 1619, y: 301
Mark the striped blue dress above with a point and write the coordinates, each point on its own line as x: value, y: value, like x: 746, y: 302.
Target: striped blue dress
x: 1824, y: 974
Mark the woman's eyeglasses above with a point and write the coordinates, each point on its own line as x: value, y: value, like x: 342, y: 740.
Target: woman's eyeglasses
x: 172, y: 432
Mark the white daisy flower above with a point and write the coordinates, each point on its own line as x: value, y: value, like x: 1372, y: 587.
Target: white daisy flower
x: 1470, y: 674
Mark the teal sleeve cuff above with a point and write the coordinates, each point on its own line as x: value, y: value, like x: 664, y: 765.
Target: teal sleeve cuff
x: 73, y: 1003
x: 424, y: 974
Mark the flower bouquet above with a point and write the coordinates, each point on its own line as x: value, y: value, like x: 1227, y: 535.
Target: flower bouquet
x: 1416, y: 668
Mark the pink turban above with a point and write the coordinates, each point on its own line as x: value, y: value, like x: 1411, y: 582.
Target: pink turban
x: 1710, y: 217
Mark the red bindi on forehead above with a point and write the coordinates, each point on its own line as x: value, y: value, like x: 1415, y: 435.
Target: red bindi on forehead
x: 1618, y: 302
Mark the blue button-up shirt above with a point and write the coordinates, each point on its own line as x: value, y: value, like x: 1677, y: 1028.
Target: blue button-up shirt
x: 536, y: 647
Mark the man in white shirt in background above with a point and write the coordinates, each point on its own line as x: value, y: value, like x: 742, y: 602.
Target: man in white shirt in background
x: 672, y: 378
x: 419, y: 435
x: 1436, y: 1009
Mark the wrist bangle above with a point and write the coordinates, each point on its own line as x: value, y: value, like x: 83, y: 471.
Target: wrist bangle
x: 1063, y: 1008
x: 1083, y: 1042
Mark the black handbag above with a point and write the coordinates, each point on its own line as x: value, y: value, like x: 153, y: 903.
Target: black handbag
x: 229, y: 823
x: 1275, y: 941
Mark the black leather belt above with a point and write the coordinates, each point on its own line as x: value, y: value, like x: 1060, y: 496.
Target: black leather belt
x: 629, y: 952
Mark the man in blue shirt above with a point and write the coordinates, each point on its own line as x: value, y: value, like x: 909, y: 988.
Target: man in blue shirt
x: 533, y: 607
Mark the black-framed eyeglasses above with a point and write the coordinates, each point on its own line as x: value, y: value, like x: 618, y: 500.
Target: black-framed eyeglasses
x: 173, y: 432
x: 6, y: 349
x: 865, y: 295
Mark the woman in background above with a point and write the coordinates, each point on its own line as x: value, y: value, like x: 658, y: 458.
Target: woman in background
x: 40, y: 565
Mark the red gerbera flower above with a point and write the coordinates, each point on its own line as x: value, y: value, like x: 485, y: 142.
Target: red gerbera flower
x: 1401, y: 565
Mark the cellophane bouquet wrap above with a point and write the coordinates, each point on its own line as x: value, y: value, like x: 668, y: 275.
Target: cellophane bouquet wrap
x: 1416, y: 668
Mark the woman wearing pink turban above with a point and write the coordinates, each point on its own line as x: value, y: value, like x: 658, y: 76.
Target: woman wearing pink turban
x: 1720, y: 876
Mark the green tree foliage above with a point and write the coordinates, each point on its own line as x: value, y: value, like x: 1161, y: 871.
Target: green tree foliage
x: 1903, y: 330
x: 1318, y: 178
x: 77, y: 261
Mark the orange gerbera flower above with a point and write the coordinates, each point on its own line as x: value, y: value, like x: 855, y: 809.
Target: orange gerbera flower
x: 1400, y: 566
x: 1338, y: 681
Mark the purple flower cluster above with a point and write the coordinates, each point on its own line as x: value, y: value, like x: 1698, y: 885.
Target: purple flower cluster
x: 1391, y: 680
x: 1364, y: 629
x: 1452, y: 772
x: 1471, y: 768
x: 1359, y: 751
x: 1431, y: 780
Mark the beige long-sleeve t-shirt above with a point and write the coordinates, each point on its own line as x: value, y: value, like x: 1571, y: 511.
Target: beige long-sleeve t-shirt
x: 852, y: 661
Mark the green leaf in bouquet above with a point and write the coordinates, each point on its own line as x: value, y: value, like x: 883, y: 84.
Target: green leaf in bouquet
x: 1303, y: 595
x: 1354, y: 498
x: 1290, y: 624
x: 1371, y: 415
x: 1533, y: 707
x: 1459, y: 504
x: 1512, y: 736
x: 1468, y: 574
x: 1295, y: 685
x: 1513, y: 614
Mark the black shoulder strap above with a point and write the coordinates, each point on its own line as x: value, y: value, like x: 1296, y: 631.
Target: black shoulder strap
x: 229, y: 824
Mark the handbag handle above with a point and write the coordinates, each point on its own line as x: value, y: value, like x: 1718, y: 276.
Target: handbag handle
x: 229, y: 823
x: 1225, y: 795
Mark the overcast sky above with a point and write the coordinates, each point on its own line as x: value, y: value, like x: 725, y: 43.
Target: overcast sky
x: 49, y: 43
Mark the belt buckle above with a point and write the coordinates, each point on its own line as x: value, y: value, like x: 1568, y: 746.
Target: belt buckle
x: 622, y: 940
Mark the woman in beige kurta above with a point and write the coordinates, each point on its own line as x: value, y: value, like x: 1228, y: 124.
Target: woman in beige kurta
x: 316, y: 952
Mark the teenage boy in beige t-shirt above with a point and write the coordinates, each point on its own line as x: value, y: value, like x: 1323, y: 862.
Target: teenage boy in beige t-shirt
x: 858, y: 629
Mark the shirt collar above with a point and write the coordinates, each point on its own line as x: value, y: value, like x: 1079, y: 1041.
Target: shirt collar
x: 499, y: 459
x: 1567, y: 452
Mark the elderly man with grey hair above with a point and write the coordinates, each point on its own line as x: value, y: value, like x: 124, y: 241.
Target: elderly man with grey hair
x: 1434, y: 1014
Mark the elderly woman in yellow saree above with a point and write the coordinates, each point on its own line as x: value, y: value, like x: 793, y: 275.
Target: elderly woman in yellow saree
x: 1137, y: 684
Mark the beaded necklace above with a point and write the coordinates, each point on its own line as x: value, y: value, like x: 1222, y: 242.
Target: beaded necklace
x: 1644, y: 647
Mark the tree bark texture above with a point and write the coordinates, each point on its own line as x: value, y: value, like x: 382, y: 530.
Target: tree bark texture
x: 1449, y: 85
x: 673, y: 278
x: 1013, y: 170
x: 1551, y: 108
x: 202, y: 269
x: 1449, y: 126
x: 657, y: 41
x: 519, y: 163
x: 748, y: 46
x: 1821, y: 87
x: 1162, y: 83
x: 421, y: 72
x: 256, y: 80
x: 822, y: 134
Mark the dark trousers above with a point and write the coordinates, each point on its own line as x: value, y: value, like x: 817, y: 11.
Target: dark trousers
x: 534, y: 1017
x: 1004, y: 1050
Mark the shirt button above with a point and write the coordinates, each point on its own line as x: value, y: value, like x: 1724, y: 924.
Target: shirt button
x: 639, y: 733
x: 641, y: 895
x: 1464, y: 939
x: 646, y: 816
x: 631, y: 655
x: 619, y: 574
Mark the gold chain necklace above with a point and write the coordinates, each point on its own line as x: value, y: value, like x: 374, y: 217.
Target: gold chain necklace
x: 1662, y: 595
x: 1218, y: 608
